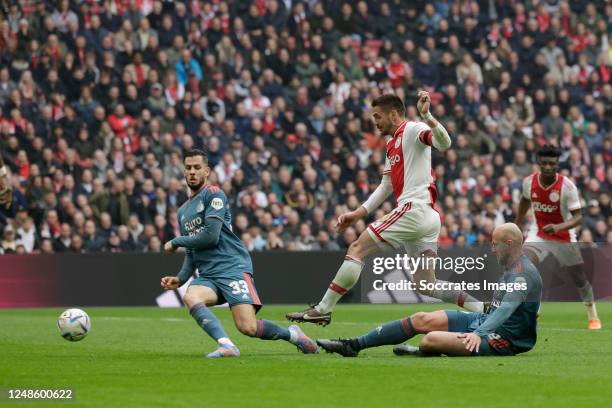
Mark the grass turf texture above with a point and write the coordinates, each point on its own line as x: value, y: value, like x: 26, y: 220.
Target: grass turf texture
x: 146, y: 357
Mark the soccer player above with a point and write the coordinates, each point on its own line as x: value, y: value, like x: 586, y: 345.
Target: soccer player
x: 509, y: 328
x: 222, y: 266
x: 556, y: 208
x: 414, y: 223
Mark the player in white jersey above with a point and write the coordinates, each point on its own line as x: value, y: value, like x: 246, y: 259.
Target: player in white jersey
x: 556, y: 207
x: 414, y: 224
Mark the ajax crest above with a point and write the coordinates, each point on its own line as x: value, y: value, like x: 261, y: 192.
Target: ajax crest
x: 398, y: 142
x: 554, y: 196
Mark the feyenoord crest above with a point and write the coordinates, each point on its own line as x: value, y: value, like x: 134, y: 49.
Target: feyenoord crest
x: 398, y: 142
x: 554, y: 196
x: 200, y: 207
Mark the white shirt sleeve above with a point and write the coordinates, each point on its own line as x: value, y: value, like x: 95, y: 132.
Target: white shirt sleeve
x: 527, y: 187
x: 570, y: 195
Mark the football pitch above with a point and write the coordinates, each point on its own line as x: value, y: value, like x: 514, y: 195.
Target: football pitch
x: 150, y: 357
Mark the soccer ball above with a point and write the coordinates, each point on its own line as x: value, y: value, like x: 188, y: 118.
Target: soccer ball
x: 74, y: 324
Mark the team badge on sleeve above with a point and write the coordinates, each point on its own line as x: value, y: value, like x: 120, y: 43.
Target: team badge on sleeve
x: 216, y: 203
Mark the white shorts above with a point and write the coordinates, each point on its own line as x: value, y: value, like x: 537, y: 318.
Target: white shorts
x: 412, y: 226
x: 566, y: 253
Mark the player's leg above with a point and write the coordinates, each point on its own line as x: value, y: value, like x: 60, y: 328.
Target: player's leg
x: 199, y: 295
x: 345, y: 279
x: 426, y: 221
x: 395, y: 332
x: 443, y: 342
x: 248, y: 324
x: 570, y: 259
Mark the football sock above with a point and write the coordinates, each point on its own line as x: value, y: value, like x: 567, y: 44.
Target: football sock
x: 586, y: 294
x: 395, y: 332
x: 207, y: 321
x: 345, y: 279
x: 458, y: 297
x: 266, y: 330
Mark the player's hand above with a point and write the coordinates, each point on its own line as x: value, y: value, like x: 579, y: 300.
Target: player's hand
x: 346, y: 220
x: 551, y: 228
x: 170, y: 282
x: 168, y: 247
x: 471, y: 341
x: 423, y: 102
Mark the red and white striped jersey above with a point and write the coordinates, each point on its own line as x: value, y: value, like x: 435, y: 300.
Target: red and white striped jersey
x: 551, y: 205
x: 408, y: 164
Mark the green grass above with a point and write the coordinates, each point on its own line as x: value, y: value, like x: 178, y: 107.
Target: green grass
x: 148, y: 357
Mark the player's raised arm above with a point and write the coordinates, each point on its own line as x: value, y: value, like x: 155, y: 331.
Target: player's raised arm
x: 437, y: 136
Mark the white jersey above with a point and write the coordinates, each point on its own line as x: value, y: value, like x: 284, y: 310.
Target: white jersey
x: 408, y: 164
x: 551, y: 205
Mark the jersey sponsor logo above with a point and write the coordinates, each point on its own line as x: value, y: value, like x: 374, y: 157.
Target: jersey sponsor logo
x: 547, y: 208
x: 395, y: 159
x: 193, y: 224
x: 200, y: 207
x: 554, y: 196
x: 216, y: 203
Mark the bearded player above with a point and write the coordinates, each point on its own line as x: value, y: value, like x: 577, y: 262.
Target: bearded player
x: 556, y: 207
x: 222, y: 266
x: 413, y: 224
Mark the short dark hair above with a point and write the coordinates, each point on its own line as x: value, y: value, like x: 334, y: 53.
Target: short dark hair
x: 196, y: 152
x: 549, y: 150
x: 389, y: 102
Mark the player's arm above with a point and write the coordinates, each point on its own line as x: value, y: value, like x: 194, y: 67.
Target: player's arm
x: 373, y: 202
x: 523, y: 207
x: 525, y: 202
x: 174, y: 282
x: 208, y: 236
x: 572, y: 201
x: 510, y: 302
x: 569, y: 224
x: 436, y: 136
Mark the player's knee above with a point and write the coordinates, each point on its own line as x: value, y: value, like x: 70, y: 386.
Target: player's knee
x: 422, y: 321
x: 190, y: 300
x: 578, y: 275
x: 247, y: 327
x: 355, y: 249
x: 429, y: 343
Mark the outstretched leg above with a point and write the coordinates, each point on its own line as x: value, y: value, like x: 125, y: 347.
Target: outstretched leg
x: 248, y: 324
x: 197, y: 298
x: 345, y: 279
x: 395, y: 332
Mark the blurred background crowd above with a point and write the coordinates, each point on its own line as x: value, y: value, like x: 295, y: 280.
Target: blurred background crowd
x: 98, y: 99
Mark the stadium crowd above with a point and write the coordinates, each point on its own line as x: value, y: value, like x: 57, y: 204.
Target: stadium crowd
x: 99, y: 98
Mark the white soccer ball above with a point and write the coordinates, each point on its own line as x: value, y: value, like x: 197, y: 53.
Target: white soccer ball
x: 74, y: 324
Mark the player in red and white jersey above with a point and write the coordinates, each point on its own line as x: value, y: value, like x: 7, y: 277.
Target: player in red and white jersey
x: 556, y: 206
x: 414, y: 224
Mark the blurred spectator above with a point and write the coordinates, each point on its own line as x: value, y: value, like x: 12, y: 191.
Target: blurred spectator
x: 98, y: 103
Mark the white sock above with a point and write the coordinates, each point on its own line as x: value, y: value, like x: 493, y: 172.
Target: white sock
x: 293, y: 336
x: 586, y: 294
x: 225, y: 341
x: 460, y: 298
x: 345, y: 279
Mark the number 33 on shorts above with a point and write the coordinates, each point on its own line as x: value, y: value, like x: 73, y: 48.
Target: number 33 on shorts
x: 239, y: 286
